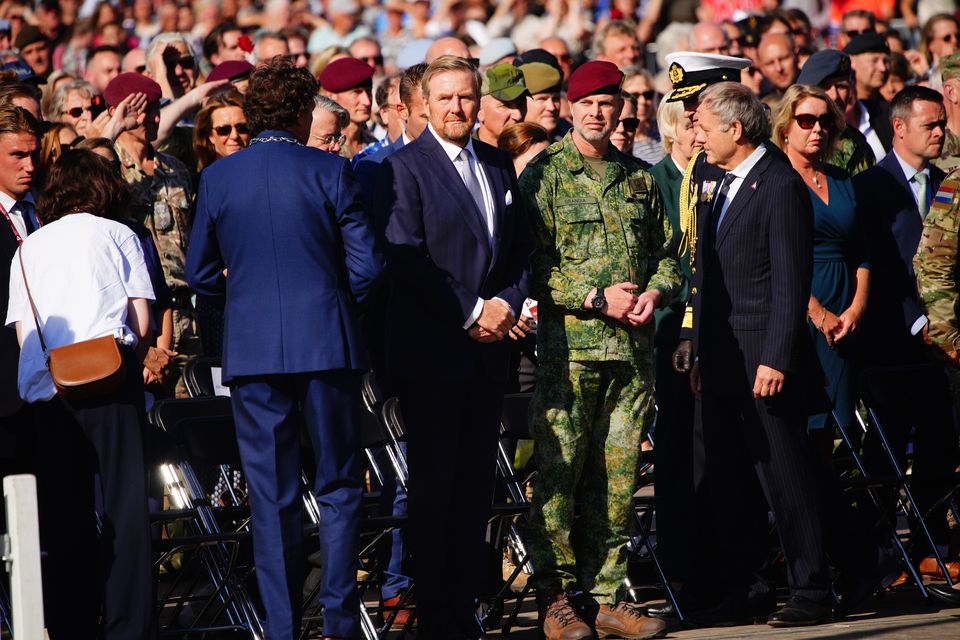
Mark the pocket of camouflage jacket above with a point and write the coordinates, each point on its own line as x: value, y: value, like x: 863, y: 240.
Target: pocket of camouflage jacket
x: 582, y: 231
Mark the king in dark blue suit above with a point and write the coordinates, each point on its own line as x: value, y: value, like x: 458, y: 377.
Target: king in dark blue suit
x: 280, y: 228
x: 458, y: 259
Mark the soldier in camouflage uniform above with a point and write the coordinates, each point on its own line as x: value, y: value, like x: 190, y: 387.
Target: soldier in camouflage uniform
x: 161, y: 199
x: 600, y: 269
x: 830, y: 70
x: 950, y: 71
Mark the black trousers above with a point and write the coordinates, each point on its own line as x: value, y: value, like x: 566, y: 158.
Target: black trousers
x: 770, y: 436
x: 453, y: 428
x: 84, y: 574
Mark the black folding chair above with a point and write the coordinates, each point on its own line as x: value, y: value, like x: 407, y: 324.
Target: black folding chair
x: 198, y: 376
x: 200, y: 435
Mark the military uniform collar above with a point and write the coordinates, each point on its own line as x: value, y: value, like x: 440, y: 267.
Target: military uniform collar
x: 575, y: 161
x: 129, y: 163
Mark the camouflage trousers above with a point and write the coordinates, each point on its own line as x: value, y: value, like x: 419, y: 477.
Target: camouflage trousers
x: 587, y: 421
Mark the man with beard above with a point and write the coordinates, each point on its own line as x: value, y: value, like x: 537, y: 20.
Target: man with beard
x: 600, y: 270
x: 831, y: 71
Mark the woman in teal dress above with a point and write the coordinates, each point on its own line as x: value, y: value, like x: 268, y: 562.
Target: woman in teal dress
x: 805, y: 128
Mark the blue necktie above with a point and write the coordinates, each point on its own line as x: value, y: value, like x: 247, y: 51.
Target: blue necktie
x: 26, y: 211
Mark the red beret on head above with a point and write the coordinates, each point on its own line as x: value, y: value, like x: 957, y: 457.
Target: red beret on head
x: 126, y: 83
x: 345, y: 73
x: 596, y: 76
x: 230, y: 70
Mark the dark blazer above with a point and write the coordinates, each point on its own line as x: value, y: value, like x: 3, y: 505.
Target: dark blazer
x: 668, y: 179
x: 368, y: 166
x: 288, y: 223
x: 879, y: 111
x: 892, y: 224
x: 440, y: 258
x: 752, y: 281
x: 9, y: 348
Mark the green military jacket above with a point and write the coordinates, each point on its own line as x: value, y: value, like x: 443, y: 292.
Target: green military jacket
x: 593, y: 231
x: 950, y: 156
x: 162, y: 203
x: 853, y: 153
x: 936, y: 265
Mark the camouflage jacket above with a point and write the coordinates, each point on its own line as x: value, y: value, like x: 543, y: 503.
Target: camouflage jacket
x: 936, y: 265
x: 853, y: 153
x: 591, y: 231
x: 950, y: 156
x: 162, y: 202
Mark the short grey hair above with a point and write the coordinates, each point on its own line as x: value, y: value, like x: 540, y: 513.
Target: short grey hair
x: 323, y: 103
x: 59, y: 98
x: 733, y: 102
x: 161, y: 40
x: 262, y: 35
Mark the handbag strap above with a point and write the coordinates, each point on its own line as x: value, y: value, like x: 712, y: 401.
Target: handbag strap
x: 33, y: 307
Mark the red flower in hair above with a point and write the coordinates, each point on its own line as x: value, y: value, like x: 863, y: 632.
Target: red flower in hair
x: 245, y: 44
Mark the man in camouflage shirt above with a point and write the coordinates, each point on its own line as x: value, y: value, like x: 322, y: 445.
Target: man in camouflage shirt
x: 950, y: 71
x: 161, y: 197
x: 830, y: 70
x: 599, y: 271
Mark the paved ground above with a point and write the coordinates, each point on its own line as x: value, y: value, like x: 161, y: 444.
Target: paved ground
x: 898, y: 617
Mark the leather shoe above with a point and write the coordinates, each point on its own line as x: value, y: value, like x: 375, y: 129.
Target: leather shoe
x: 945, y: 594
x: 800, y: 612
x: 929, y: 567
x: 559, y: 618
x: 626, y: 620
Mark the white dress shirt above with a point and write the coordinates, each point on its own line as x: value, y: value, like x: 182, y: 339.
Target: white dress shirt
x: 866, y: 128
x: 16, y: 217
x: 739, y: 173
x: 909, y: 173
x: 452, y: 152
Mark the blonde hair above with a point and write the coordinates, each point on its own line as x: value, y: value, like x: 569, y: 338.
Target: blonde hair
x: 445, y: 64
x: 788, y: 107
x: 669, y: 115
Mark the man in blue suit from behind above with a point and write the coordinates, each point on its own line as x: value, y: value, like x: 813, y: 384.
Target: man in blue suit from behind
x: 458, y: 257
x: 281, y: 229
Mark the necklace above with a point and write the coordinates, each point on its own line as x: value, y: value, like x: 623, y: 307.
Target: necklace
x: 816, y: 180
x: 274, y: 139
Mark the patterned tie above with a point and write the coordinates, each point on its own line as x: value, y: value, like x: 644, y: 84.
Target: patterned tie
x: 923, y: 199
x: 465, y: 167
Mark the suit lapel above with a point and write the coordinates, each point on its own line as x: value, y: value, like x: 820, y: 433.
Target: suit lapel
x: 453, y: 183
x: 744, y: 194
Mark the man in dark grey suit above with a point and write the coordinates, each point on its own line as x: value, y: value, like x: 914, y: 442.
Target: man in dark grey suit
x: 749, y: 297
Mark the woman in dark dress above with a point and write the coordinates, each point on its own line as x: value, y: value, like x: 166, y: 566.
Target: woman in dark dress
x: 805, y: 127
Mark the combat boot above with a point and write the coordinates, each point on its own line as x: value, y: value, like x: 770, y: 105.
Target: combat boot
x: 560, y: 620
x: 625, y: 620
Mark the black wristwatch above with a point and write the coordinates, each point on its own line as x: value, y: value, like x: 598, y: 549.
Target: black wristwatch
x: 598, y: 301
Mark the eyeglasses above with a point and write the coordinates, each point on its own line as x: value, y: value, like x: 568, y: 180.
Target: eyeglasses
x: 373, y: 61
x: 806, y: 121
x: 76, y: 112
x: 630, y: 124
x: 331, y: 139
x: 646, y: 95
x: 853, y: 33
x: 224, y: 130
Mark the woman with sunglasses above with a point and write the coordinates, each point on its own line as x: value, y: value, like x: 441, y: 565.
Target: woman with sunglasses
x: 72, y: 104
x: 939, y: 38
x: 646, y: 141
x: 221, y: 130
x: 806, y: 127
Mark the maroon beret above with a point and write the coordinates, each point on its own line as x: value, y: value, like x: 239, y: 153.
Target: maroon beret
x: 596, y: 76
x: 230, y: 70
x: 126, y: 83
x: 345, y: 73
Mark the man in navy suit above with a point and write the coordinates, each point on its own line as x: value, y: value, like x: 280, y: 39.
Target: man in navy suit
x: 893, y: 199
x: 749, y: 296
x: 458, y: 257
x: 281, y: 228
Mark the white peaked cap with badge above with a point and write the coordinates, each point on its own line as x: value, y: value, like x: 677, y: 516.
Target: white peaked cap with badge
x: 692, y: 72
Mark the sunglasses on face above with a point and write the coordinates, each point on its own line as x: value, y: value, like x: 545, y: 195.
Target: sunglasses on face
x: 853, y: 33
x: 630, y: 124
x: 646, y: 95
x: 224, y: 130
x: 373, y: 61
x: 950, y: 37
x: 806, y: 121
x: 76, y: 112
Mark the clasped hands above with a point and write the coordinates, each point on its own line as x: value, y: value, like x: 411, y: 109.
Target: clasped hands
x: 158, y: 364
x: 835, y: 328
x: 625, y: 306
x: 495, y: 322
